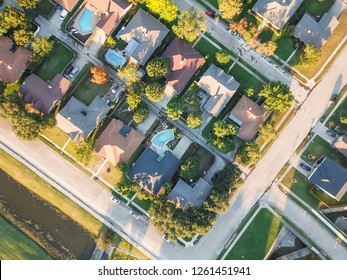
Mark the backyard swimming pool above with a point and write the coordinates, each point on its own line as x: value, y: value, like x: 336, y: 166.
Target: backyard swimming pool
x: 114, y: 58
x: 163, y: 137
x: 85, y: 20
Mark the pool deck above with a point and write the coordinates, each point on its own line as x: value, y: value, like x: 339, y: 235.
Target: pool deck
x: 93, y: 21
x: 161, y: 150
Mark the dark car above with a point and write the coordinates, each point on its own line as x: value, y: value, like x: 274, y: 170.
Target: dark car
x: 334, y: 96
x: 331, y: 133
x: 305, y: 167
x: 68, y: 69
x: 214, y: 177
x: 210, y: 13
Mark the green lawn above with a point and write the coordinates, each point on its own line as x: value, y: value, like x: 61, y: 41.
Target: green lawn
x: 328, y: 200
x: 317, y: 8
x: 285, y: 47
x: 214, y: 3
x: 86, y: 91
x: 319, y: 148
x: 56, y: 62
x: 17, y: 246
x: 257, y: 239
x: 206, y: 160
x: 56, y: 135
x: 245, y: 78
x: 301, y: 187
x: 191, y: 100
x: 334, y: 121
x: 145, y: 204
x: 45, y: 7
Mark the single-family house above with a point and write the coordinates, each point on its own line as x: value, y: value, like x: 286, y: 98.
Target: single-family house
x: 276, y: 12
x: 341, y: 145
x: 248, y: 115
x: 118, y: 142
x: 330, y: 177
x: 184, y: 195
x: 79, y: 120
x: 220, y: 86
x: 13, y: 60
x: 143, y: 34
x: 43, y: 96
x: 151, y: 171
x: 184, y: 61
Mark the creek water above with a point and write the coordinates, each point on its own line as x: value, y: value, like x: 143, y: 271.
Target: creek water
x: 61, y: 231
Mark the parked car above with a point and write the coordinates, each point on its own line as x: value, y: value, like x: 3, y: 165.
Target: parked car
x: 210, y: 14
x: 73, y: 73
x: 331, y: 133
x: 305, y: 167
x: 166, y: 238
x: 68, y: 69
x: 115, y: 88
x: 63, y: 14
x: 132, y: 213
x: 334, y: 97
x: 114, y: 199
x: 214, y: 177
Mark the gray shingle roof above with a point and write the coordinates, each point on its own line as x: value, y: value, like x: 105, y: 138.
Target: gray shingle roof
x: 79, y: 120
x: 331, y: 177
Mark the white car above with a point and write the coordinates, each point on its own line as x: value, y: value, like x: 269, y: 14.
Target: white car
x: 166, y: 238
x: 132, y: 213
x: 73, y: 73
x: 63, y: 14
x: 114, y: 199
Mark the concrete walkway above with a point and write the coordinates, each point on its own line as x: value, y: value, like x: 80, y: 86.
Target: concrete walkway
x: 182, y: 147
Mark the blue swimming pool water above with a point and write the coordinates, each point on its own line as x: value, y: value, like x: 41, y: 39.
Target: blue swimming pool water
x: 163, y: 137
x: 85, y: 21
x: 114, y: 58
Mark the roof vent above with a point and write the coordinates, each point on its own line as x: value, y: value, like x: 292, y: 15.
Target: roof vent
x: 9, y: 67
x: 49, y: 86
x: 84, y: 113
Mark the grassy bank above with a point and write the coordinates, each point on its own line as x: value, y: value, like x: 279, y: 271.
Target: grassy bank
x: 17, y: 246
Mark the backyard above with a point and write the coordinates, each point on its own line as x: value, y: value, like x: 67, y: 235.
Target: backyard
x: 45, y: 7
x: 205, y: 159
x: 191, y: 100
x: 319, y: 148
x: 56, y: 62
x: 257, y: 239
x: 86, y: 90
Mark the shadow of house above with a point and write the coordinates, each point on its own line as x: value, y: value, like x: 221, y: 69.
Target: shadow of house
x: 152, y: 171
x: 184, y: 61
x: 276, y: 12
x: 13, y: 60
x: 43, y: 96
x: 79, y: 120
x: 118, y: 142
x: 330, y: 177
x: 248, y: 115
x: 147, y: 31
x: 185, y: 196
x: 220, y: 86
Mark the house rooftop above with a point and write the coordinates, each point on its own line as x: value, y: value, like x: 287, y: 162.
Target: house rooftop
x: 79, y: 120
x: 277, y: 12
x: 184, y: 61
x: 184, y: 196
x: 152, y: 171
x: 118, y: 142
x: 248, y: 115
x: 67, y: 4
x: 147, y: 31
x: 330, y: 177
x: 220, y: 86
x: 41, y: 95
x: 13, y: 60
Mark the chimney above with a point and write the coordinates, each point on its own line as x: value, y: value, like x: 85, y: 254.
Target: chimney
x: 9, y: 67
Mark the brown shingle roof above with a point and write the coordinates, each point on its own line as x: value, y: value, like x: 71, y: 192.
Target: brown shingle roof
x: 12, y: 64
x: 116, y: 145
x: 248, y: 115
x: 68, y: 4
x: 184, y: 60
x: 41, y: 95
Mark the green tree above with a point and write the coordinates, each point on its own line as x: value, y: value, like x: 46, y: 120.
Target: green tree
x: 22, y: 36
x: 84, y: 151
x: 27, y: 4
x: 223, y: 57
x: 190, y: 24
x: 174, y: 110
x: 11, y: 17
x: 125, y: 186
x: 157, y: 67
x: 141, y: 113
x: 190, y: 168
x: 134, y: 95
x: 229, y: 8
x: 194, y: 120
x: 165, y: 8
x: 129, y: 74
x: 111, y: 42
x: 135, y: 2
x: 268, y: 131
x: 248, y: 153
x: 343, y: 120
x: 224, y: 144
x: 222, y: 128
x: 249, y: 91
x: 154, y: 91
x: 310, y: 56
x: 268, y: 48
x: 278, y: 97
x: 41, y: 48
x: 99, y: 75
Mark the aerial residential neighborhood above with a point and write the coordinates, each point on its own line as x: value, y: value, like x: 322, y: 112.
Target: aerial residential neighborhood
x: 173, y: 129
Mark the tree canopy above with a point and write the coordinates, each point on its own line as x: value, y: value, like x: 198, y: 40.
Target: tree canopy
x: 194, y: 120
x: 27, y: 4
x: 84, y: 151
x: 41, y: 48
x: 190, y: 168
x: 190, y: 24
x: 157, y: 67
x: 99, y: 75
x: 141, y: 113
x: 310, y: 56
x: 248, y: 153
x: 134, y: 95
x: 154, y: 91
x: 229, y: 8
x: 129, y: 74
x: 223, y: 56
x: 22, y: 36
x: 174, y: 110
x: 165, y: 8
x: 278, y: 97
x: 268, y: 131
x: 222, y: 128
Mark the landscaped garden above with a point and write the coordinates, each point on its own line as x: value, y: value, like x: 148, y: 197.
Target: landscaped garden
x: 259, y: 236
x: 55, y: 62
x: 320, y: 148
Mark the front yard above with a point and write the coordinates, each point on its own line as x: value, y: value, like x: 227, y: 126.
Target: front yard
x: 56, y: 62
x: 335, y: 123
x: 56, y: 135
